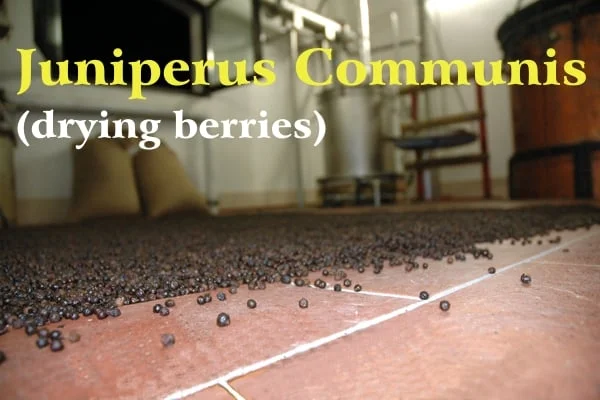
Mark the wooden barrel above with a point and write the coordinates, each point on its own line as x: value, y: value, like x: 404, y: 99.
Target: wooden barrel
x: 552, y: 122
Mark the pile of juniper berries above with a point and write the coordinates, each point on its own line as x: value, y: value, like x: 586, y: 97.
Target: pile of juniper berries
x: 50, y: 274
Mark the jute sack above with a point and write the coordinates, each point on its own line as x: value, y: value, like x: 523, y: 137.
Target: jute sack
x: 103, y: 181
x: 164, y: 186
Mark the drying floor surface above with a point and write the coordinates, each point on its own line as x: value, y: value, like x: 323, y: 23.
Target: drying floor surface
x: 499, y: 340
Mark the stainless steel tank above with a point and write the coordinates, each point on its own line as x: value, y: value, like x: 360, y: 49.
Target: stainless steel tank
x: 352, y: 145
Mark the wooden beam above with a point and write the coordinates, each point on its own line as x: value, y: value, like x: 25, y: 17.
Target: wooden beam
x: 448, y: 161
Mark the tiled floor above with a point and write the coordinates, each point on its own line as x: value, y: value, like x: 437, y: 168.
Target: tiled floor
x: 500, y: 339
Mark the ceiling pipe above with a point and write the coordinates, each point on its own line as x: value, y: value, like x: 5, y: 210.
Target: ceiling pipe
x: 312, y: 20
x: 364, y: 33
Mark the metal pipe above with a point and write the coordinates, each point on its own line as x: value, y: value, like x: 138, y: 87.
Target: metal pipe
x: 397, y: 109
x: 294, y: 52
x: 430, y: 177
x: 423, y: 53
x: 365, y: 33
x: 310, y: 19
x: 326, y: 67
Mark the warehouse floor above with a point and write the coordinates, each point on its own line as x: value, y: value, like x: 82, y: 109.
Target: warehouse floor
x: 499, y: 340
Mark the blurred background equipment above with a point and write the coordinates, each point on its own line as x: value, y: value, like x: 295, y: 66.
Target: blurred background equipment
x: 4, y: 22
x: 556, y: 128
x: 420, y: 140
x: 167, y: 30
x: 7, y: 175
x: 384, y: 145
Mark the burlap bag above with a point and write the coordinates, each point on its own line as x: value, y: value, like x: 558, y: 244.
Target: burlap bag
x: 163, y: 184
x: 103, y: 181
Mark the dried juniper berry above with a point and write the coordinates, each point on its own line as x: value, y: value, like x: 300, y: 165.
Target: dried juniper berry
x: 303, y: 303
x: 200, y: 300
x: 170, y: 303
x: 339, y: 275
x: 425, y: 265
x: 223, y: 320
x: 357, y: 288
x: 56, y: 345
x: 423, y: 295
x: 233, y: 290
x: 101, y: 314
x: 325, y: 272
x: 19, y: 323
x: 30, y: 330
x: 55, y: 317
x: 491, y: 270
x: 347, y: 283
x: 286, y: 279
x: 337, y: 287
x: 43, y: 332
x: 526, y: 279
x: 114, y: 312
x: 444, y: 305
x: 167, y: 339
x: 207, y: 298
x: 55, y: 334
x: 299, y: 282
x: 164, y: 312
x: 251, y: 303
x: 221, y: 296
x: 41, y: 342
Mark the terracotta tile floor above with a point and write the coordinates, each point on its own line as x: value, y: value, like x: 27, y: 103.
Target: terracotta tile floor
x: 500, y: 339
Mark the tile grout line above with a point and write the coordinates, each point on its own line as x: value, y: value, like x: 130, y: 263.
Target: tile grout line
x: 567, y: 264
x: 368, y: 293
x: 239, y: 372
x: 380, y: 294
x: 234, y: 393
